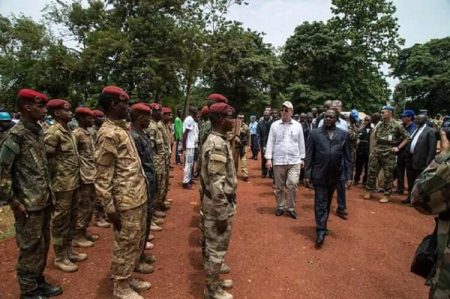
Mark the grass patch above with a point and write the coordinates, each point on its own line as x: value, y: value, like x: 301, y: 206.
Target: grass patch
x: 6, y: 223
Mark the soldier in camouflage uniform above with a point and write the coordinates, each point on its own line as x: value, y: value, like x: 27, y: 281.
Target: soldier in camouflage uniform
x: 218, y: 191
x: 240, y: 150
x: 121, y: 186
x: 85, y: 146
x: 166, y: 128
x: 430, y: 195
x: 25, y: 185
x: 64, y: 167
x: 389, y: 138
x: 353, y: 131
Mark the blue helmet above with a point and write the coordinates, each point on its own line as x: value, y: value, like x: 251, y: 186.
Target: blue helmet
x: 355, y: 115
x: 5, y: 116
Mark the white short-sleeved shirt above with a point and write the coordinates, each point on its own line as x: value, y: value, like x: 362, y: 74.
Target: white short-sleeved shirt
x: 190, y: 124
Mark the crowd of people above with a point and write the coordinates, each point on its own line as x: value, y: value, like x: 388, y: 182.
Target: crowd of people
x: 60, y: 170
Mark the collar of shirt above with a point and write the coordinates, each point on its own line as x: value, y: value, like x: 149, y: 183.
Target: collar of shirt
x: 61, y: 128
x: 220, y: 135
x: 120, y: 123
x: 35, y: 128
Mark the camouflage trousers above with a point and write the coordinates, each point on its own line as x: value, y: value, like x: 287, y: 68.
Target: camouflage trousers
x: 128, y: 242
x: 440, y: 284
x: 64, y: 218
x: 166, y: 182
x: 242, y: 161
x: 86, y: 198
x: 33, y: 240
x: 386, y: 162
x: 215, y: 249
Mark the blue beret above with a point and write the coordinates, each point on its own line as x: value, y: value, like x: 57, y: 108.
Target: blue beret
x: 388, y: 107
x: 355, y: 114
x: 408, y: 113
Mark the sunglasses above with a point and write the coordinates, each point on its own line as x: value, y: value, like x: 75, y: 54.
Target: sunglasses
x: 285, y: 109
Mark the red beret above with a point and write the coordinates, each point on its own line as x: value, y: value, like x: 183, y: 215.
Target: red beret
x: 84, y: 111
x: 116, y: 91
x: 98, y: 113
x: 166, y: 110
x: 221, y: 108
x: 141, y: 107
x: 218, y: 98
x: 155, y: 106
x: 32, y: 95
x: 205, y: 110
x: 58, y: 104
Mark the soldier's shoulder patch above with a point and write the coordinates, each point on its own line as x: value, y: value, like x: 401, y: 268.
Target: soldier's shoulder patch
x: 12, y: 144
x: 218, y: 157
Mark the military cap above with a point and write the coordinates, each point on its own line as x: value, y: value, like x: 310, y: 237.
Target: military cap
x: 32, y: 95
x: 408, y: 113
x: 166, y: 110
x: 388, y: 107
x: 116, y: 91
x: 218, y: 98
x: 141, y: 107
x: 205, y: 110
x: 84, y: 111
x: 221, y: 108
x: 355, y: 114
x: 58, y: 104
x: 98, y: 113
x: 155, y: 106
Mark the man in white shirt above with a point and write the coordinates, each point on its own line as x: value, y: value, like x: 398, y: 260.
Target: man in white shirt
x: 285, y: 152
x: 190, y: 136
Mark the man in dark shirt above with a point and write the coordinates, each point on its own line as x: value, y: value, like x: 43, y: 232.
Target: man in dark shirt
x: 362, y: 151
x: 408, y: 123
x: 263, y: 133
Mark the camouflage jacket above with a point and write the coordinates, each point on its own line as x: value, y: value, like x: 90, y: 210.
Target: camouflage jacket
x: 205, y: 130
x: 353, y: 132
x: 120, y: 181
x: 157, y: 134
x: 85, y: 146
x: 388, y: 135
x: 62, y: 154
x: 24, y: 176
x: 218, y: 178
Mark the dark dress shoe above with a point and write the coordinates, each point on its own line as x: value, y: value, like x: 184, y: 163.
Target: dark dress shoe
x: 319, y: 240
x: 263, y: 176
x: 293, y: 214
x: 35, y: 294
x: 49, y: 290
x: 279, y: 212
x: 341, y: 214
x: 406, y: 201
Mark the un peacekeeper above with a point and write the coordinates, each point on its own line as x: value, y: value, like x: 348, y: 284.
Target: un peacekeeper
x: 25, y: 185
x: 140, y: 119
x: 156, y: 133
x: 218, y: 189
x: 86, y: 199
x: 389, y: 138
x: 121, y: 186
x: 430, y: 195
x: 64, y: 168
x: 6, y: 123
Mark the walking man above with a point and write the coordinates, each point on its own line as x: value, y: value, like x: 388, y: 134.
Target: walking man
x: 285, y: 152
x: 253, y: 126
x: 263, y: 134
x: 190, y: 138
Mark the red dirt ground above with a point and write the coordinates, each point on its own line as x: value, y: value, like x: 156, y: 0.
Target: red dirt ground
x: 367, y: 256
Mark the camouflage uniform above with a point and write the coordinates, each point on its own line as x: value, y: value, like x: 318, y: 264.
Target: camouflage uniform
x: 24, y: 179
x: 167, y: 145
x: 386, y: 136
x: 244, y: 138
x: 353, y: 132
x: 85, y: 145
x: 64, y: 168
x: 218, y: 188
x: 157, y: 133
x: 430, y: 195
x: 99, y: 211
x: 121, y: 186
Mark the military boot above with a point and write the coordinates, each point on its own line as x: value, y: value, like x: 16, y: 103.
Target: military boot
x: 123, y: 290
x: 158, y: 221
x: 225, y: 269
x: 139, y: 285
x: 159, y: 214
x: 81, y: 241
x: 149, y: 259
x: 75, y: 256
x: 101, y: 222
x: 217, y: 294
x: 226, y: 284
x: 62, y: 261
x: 35, y: 294
x: 154, y: 227
x: 91, y: 237
x: 368, y: 195
x: 144, y: 268
x: 385, y: 199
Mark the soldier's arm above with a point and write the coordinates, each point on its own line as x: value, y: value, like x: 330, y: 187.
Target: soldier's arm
x: 105, y: 156
x: 218, y: 172
x: 51, y: 140
x: 8, y: 152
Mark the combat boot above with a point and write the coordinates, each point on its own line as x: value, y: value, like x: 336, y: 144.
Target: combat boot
x: 368, y: 195
x: 75, y: 256
x: 81, y: 241
x: 123, y: 290
x: 158, y: 221
x: 139, y: 285
x: 217, y: 294
x: 35, y: 294
x: 154, y: 227
x: 62, y: 261
x: 385, y: 199
x: 101, y: 222
x: 159, y: 214
x: 149, y: 259
x: 144, y: 268
x: 226, y: 284
x: 91, y: 237
x: 225, y: 269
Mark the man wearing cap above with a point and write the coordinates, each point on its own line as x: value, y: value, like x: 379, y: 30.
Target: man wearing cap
x: 64, y: 167
x: 190, y: 138
x: 218, y: 191
x: 121, y: 186
x: 140, y: 119
x: 23, y: 163
x: 389, y: 138
x: 85, y: 146
x: 285, y: 153
x: 6, y: 123
x: 253, y: 127
x: 408, y: 123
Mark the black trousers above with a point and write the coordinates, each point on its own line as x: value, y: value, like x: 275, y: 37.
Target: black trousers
x: 341, y: 198
x: 362, y: 161
x: 323, y: 195
x: 254, y: 145
x: 401, y: 168
x: 412, y: 175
